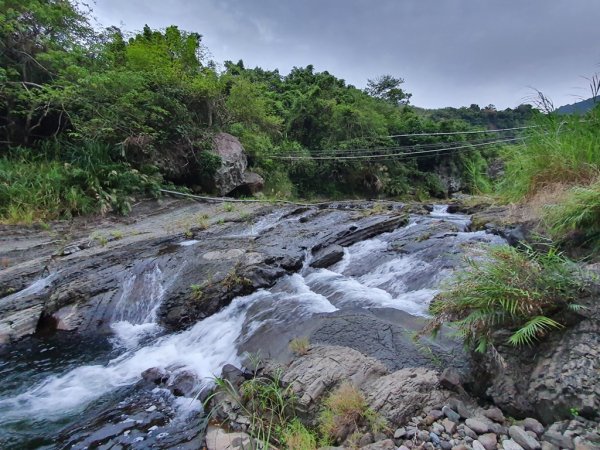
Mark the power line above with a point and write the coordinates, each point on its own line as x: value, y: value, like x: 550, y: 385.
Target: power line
x: 415, y: 153
x: 343, y: 152
x: 449, y: 133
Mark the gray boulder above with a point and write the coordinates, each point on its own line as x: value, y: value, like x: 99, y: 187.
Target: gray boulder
x: 233, y: 163
x: 396, y: 396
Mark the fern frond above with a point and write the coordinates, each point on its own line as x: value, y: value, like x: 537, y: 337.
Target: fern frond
x: 532, y: 330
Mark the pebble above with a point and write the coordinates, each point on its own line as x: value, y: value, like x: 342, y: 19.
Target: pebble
x: 520, y: 436
x: 548, y: 446
x: 460, y: 447
x: 411, y: 432
x: 451, y: 414
x: 477, y: 445
x: 489, y: 441
x: 438, y: 428
x: 556, y: 438
x: 403, y: 447
x: 434, y: 438
x: 469, y: 433
x: 429, y: 419
x: 449, y: 426
x: 509, y: 444
x: 423, y: 436
x: 436, y: 413
x: 531, y: 424
x: 365, y: 439
x: 494, y: 414
x: 445, y: 445
x: 477, y: 426
x: 400, y: 433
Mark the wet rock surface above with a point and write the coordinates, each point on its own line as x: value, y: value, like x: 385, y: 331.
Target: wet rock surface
x: 79, y: 291
x: 559, y: 375
x: 145, y: 419
x: 354, y: 283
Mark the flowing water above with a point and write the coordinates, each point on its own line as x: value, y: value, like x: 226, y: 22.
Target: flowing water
x: 44, y: 394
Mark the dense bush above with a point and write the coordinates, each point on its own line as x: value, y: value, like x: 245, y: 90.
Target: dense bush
x: 67, y: 182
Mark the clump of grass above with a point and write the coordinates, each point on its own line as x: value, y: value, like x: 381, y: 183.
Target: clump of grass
x: 561, y: 149
x: 268, y: 405
x: 345, y: 411
x: 578, y: 212
x: 377, y: 209
x: 228, y: 207
x: 62, y: 181
x: 300, y: 346
x: 297, y: 437
x: 522, y: 290
x: 99, y: 238
x: 117, y: 234
x: 197, y: 291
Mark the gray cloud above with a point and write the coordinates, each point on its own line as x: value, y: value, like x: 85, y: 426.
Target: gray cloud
x: 450, y: 52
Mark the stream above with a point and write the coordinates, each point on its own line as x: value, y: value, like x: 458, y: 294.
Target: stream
x: 54, y: 383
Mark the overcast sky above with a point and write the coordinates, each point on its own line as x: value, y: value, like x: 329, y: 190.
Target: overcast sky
x: 449, y: 52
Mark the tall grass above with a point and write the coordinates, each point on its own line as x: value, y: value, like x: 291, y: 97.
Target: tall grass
x: 561, y: 149
x: 578, y: 213
x: 61, y: 181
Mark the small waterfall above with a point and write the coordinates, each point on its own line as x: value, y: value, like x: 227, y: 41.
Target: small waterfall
x: 134, y: 316
x: 140, y: 298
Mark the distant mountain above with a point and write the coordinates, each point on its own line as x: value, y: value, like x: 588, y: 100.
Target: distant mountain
x: 579, y: 107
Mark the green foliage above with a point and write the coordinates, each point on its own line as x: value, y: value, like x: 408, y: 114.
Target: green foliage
x: 65, y: 181
x: 524, y: 291
x: 154, y: 98
x: 297, y: 437
x: 268, y: 406
x: 578, y: 212
x: 475, y: 173
x: 562, y: 149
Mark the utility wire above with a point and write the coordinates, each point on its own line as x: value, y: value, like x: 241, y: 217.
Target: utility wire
x: 449, y: 133
x: 343, y: 152
x: 470, y: 146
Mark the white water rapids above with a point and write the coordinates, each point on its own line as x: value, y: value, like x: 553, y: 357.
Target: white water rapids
x: 371, y: 274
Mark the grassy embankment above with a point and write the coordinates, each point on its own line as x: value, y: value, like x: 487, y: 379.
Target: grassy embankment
x: 556, y: 173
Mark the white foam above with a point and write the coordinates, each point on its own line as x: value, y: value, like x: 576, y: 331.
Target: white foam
x: 204, y: 348
x: 189, y: 243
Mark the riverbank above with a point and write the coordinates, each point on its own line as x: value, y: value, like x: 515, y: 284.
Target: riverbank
x: 161, y: 301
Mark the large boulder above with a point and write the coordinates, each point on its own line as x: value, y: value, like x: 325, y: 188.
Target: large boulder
x: 230, y: 175
x: 397, y: 396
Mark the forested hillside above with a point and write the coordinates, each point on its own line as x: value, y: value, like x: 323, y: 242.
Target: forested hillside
x: 89, y: 119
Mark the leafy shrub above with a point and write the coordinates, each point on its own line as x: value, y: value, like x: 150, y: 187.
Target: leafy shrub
x: 521, y: 290
x: 346, y: 410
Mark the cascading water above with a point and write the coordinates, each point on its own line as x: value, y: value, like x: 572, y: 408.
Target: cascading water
x: 134, y: 315
x: 380, y: 272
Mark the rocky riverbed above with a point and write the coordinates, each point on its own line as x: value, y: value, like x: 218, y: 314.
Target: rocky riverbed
x: 113, y: 330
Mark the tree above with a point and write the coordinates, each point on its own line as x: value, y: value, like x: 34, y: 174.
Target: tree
x: 387, y: 87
